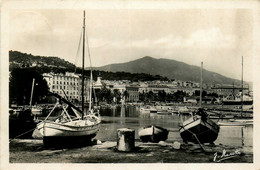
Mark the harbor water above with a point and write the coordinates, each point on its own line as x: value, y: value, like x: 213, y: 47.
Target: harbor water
x: 230, y: 139
x: 116, y: 117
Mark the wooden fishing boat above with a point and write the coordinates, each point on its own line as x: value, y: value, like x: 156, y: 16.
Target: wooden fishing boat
x: 199, y: 128
x: 68, y: 129
x: 73, y: 126
x: 153, y: 134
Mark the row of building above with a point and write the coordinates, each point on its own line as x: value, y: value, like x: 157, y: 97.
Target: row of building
x: 69, y: 85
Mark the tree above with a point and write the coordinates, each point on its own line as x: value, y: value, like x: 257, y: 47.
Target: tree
x: 142, y: 96
x: 213, y: 94
x: 162, y: 95
x: 104, y: 94
x: 150, y: 96
x: 178, y: 96
x: 117, y: 95
x: 197, y: 93
x: 20, y: 86
x: 126, y: 95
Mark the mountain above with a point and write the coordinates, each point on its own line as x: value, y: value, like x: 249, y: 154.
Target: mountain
x: 42, y: 64
x: 169, y: 68
x: 148, y: 68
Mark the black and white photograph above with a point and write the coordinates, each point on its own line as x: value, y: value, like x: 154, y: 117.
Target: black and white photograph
x: 105, y: 84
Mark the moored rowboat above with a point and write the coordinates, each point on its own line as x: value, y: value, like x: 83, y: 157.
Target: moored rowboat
x: 153, y: 134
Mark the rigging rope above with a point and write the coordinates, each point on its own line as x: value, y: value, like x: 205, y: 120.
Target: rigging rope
x: 88, y: 51
x: 90, y: 62
x: 22, y: 134
x: 77, y: 54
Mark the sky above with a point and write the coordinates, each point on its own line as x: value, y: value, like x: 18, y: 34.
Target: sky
x: 217, y: 37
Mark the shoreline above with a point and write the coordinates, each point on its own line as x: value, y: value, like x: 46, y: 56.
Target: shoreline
x: 32, y: 151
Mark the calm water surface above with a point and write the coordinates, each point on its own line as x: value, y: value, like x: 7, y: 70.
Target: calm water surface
x: 130, y: 117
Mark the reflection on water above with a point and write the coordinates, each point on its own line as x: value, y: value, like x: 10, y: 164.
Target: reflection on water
x: 129, y: 116
x: 236, y: 136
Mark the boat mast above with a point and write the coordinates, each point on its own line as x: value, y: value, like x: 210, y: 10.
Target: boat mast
x: 90, y: 91
x: 242, y: 93
x: 32, y: 93
x: 83, y: 60
x: 201, y: 69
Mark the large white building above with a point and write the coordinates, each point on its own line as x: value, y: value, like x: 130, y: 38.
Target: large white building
x: 67, y: 85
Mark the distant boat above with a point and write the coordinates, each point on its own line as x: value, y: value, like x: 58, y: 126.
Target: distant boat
x: 237, y: 100
x: 21, y: 123
x: 164, y: 112
x: 73, y: 126
x: 184, y: 110
x: 242, y: 120
x: 148, y: 109
x: 36, y: 111
x: 153, y: 134
x: 199, y: 128
x: 234, y: 122
x: 241, y: 99
x: 156, y: 109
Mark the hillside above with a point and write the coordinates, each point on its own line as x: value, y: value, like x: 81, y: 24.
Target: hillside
x: 169, y: 68
x: 19, y: 60
x: 42, y: 64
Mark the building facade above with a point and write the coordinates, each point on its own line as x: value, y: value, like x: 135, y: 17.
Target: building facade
x: 133, y: 93
x: 68, y: 85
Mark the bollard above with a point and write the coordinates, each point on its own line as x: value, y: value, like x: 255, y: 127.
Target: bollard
x: 125, y: 139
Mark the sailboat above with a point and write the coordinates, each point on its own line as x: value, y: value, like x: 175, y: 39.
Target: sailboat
x: 36, y: 111
x: 241, y: 99
x: 73, y: 126
x: 240, y: 122
x: 199, y: 128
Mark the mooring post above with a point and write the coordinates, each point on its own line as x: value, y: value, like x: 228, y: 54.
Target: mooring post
x: 125, y: 139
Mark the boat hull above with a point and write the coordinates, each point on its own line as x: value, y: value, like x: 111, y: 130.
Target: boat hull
x: 67, y: 134
x: 153, y: 134
x: 206, y: 131
x: 250, y: 102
